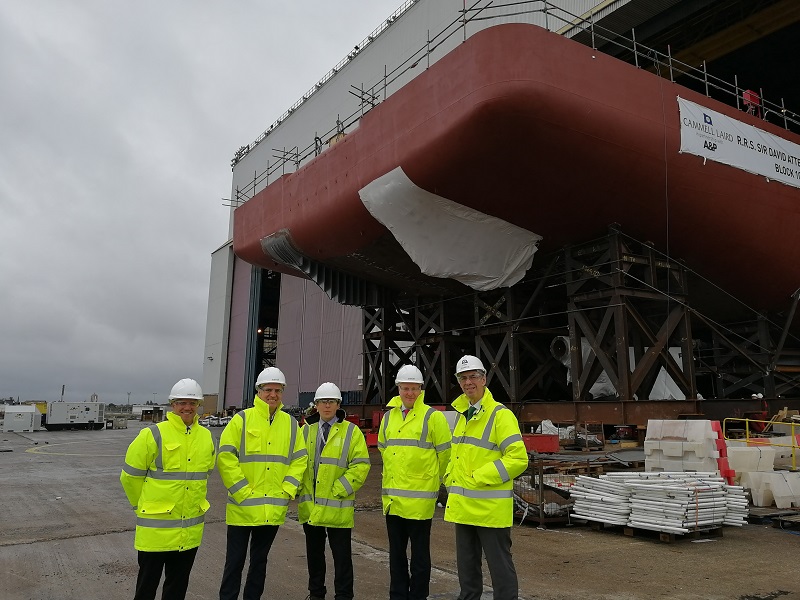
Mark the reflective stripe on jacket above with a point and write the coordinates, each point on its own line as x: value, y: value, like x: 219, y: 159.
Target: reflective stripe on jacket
x: 261, y: 464
x: 328, y: 500
x: 165, y: 478
x: 415, y: 451
x: 488, y: 453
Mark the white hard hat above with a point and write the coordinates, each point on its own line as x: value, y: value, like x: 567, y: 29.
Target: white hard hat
x: 409, y: 374
x: 469, y: 363
x: 328, y: 391
x: 188, y: 389
x: 271, y: 375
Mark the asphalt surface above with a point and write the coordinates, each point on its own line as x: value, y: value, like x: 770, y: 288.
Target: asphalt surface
x: 66, y: 532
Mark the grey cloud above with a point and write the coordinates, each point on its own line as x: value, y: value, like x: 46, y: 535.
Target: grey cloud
x: 118, y: 122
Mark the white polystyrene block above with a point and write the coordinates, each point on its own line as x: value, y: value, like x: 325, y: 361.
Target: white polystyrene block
x: 680, y: 430
x: 695, y: 430
x: 674, y: 430
x: 783, y: 446
x: 778, y: 483
x: 687, y: 450
x: 751, y: 459
x: 701, y: 449
x: 786, y: 488
x: 752, y: 479
x: 794, y: 483
x: 673, y: 448
x: 681, y: 464
x: 736, y: 443
x: 781, y: 488
x: 700, y: 431
x: 654, y: 428
x: 762, y: 496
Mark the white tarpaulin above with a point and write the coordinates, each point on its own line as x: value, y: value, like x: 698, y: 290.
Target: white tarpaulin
x: 446, y: 239
x: 717, y: 137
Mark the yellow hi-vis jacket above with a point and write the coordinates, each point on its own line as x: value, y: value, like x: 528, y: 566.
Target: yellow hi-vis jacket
x: 415, y: 451
x: 165, y: 478
x: 327, y: 496
x: 488, y: 453
x: 261, y: 464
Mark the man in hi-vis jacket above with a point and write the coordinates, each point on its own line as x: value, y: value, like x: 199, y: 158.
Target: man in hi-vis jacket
x: 488, y: 453
x: 338, y: 463
x: 414, y: 441
x: 165, y: 478
x: 262, y: 459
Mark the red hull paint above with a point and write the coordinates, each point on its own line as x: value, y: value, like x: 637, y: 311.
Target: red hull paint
x: 547, y: 134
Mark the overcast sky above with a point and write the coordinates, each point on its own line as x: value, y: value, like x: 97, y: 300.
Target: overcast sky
x: 118, y: 121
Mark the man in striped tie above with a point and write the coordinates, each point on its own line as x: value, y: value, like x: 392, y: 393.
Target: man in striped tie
x: 338, y: 463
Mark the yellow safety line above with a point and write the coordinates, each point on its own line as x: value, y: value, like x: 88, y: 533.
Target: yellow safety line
x: 43, y: 450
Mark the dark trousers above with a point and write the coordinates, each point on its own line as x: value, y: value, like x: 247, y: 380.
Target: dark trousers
x: 339, y: 540
x: 400, y: 532
x: 496, y: 545
x: 260, y: 538
x: 175, y: 565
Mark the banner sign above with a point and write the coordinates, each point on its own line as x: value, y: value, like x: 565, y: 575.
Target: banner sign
x: 716, y: 137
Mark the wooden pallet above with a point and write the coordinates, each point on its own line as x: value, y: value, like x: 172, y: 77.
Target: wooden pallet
x: 764, y: 515
x: 662, y: 536
x: 786, y: 521
x: 577, y: 469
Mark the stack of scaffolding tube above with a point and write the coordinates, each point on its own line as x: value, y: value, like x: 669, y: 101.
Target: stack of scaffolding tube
x: 670, y: 502
x: 738, y: 506
x: 601, y: 500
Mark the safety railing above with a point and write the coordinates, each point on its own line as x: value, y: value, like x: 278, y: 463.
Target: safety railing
x: 553, y: 18
x: 760, y: 433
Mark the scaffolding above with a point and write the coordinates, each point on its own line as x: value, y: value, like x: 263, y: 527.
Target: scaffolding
x: 611, y: 308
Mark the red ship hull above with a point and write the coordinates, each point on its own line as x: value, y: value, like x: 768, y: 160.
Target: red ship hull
x: 549, y: 135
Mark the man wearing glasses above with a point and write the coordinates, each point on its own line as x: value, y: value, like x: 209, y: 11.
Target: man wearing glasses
x: 262, y: 459
x: 338, y: 463
x: 487, y: 454
x: 165, y: 478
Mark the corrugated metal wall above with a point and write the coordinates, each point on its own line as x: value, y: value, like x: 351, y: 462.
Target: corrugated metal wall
x: 237, y: 335
x: 318, y: 340
x: 352, y: 359
x: 217, y: 324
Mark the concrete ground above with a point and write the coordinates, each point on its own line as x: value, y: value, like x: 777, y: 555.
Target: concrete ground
x: 66, y: 532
